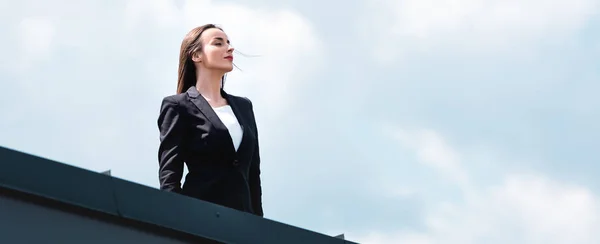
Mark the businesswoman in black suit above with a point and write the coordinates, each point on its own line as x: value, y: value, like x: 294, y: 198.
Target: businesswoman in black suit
x: 213, y: 132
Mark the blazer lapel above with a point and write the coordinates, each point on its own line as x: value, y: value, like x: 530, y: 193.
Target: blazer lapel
x: 210, y: 114
x: 234, y: 106
x: 241, y: 119
x: 205, y: 108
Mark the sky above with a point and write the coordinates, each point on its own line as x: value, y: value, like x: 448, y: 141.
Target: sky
x: 392, y: 121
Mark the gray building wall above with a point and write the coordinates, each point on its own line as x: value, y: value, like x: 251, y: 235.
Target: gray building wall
x: 23, y: 222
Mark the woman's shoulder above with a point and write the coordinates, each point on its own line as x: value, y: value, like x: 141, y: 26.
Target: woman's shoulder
x: 176, y: 98
x: 173, y: 101
x: 240, y: 99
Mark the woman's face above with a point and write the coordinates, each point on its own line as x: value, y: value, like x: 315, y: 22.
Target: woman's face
x: 216, y: 52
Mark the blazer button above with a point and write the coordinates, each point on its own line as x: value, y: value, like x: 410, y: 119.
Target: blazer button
x: 236, y: 162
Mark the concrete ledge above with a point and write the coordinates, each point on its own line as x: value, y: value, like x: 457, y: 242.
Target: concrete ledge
x: 130, y: 203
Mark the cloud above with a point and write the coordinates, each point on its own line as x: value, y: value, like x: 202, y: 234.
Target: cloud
x: 520, y: 208
x: 551, y: 212
x: 431, y: 150
x: 36, y: 40
x: 482, y: 26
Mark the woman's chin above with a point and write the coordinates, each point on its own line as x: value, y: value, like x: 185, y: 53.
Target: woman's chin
x: 227, y: 68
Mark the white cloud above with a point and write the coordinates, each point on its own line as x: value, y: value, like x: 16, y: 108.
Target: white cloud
x: 153, y: 12
x: 431, y: 150
x: 522, y: 208
x: 399, y: 237
x: 551, y: 211
x: 472, y: 25
x: 431, y: 18
x: 36, y: 39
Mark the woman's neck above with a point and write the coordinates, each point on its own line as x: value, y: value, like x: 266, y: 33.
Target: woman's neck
x: 209, y: 85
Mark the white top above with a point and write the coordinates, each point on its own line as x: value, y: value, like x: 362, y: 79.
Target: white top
x: 230, y: 121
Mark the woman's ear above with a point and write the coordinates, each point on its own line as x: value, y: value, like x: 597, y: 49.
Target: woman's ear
x: 197, y: 57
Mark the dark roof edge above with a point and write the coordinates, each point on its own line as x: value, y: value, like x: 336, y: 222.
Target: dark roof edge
x: 106, y: 194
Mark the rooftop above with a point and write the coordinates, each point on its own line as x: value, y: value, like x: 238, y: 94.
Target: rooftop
x: 60, y: 186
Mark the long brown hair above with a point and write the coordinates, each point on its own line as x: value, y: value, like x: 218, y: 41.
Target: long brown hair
x: 187, y: 70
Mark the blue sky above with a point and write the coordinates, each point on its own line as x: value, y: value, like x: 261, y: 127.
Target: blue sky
x: 410, y: 121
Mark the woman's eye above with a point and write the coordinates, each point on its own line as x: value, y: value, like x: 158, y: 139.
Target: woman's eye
x: 218, y: 44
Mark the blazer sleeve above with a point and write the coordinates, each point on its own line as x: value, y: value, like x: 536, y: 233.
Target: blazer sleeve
x: 170, y: 158
x: 255, y: 184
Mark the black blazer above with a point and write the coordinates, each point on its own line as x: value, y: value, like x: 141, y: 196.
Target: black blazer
x: 192, y: 133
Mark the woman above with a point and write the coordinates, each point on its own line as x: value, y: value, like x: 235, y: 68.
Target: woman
x: 211, y: 131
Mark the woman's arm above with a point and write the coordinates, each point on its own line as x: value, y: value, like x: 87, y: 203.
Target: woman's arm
x: 255, y: 185
x: 170, y: 158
